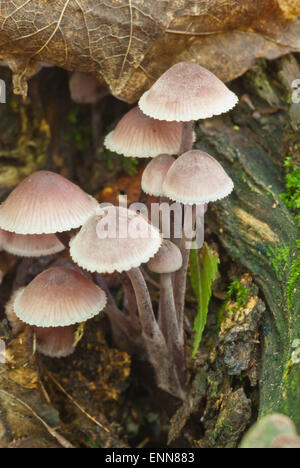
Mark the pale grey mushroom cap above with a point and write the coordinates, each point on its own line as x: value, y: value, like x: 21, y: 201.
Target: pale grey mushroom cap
x: 86, y: 89
x: 187, y: 92
x: 55, y: 342
x: 16, y: 324
x: 167, y: 260
x: 59, y: 297
x: 31, y: 245
x: 196, y: 178
x: 116, y: 239
x: 45, y: 203
x: 141, y: 136
x: 154, y: 174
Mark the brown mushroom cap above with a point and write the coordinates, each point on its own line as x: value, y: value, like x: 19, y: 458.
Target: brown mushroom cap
x: 45, y: 203
x: 196, y: 178
x: 55, y: 342
x: 155, y: 173
x: 31, y: 245
x: 187, y: 92
x: 143, y: 137
x: 86, y: 89
x: 16, y: 324
x: 167, y: 260
x: 59, y: 297
x: 132, y: 240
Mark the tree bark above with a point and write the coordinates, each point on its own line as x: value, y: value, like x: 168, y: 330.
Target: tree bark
x: 255, y: 226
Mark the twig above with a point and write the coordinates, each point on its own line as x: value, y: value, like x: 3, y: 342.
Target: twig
x: 77, y: 404
x: 64, y: 442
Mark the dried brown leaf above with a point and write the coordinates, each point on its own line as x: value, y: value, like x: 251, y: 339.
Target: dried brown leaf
x: 23, y: 413
x: 127, y: 44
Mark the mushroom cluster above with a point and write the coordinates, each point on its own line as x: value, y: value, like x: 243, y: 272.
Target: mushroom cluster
x: 161, y: 127
x: 47, y: 213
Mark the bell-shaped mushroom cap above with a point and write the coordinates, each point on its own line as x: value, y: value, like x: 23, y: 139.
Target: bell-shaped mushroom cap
x: 55, y: 342
x: 59, y: 297
x: 15, y: 323
x: 32, y: 245
x: 196, y: 178
x: 187, y: 92
x: 167, y: 260
x: 155, y: 173
x: 116, y: 239
x: 140, y: 136
x: 45, y: 203
x: 86, y: 89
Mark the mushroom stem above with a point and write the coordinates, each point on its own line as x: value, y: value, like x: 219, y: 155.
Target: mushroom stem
x: 144, y: 303
x: 167, y: 312
x: 158, y: 353
x: 120, y: 323
x: 130, y: 301
x: 180, y: 285
x: 195, y: 220
x: 181, y: 275
x: 169, y: 325
x: 187, y: 138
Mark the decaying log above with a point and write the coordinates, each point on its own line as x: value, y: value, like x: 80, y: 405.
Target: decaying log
x: 255, y: 225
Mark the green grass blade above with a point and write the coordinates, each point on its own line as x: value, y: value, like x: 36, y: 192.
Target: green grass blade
x: 203, y: 270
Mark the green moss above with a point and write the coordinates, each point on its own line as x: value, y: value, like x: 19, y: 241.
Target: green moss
x: 79, y: 134
x: 238, y: 295
x: 292, y: 182
x: 293, y: 279
x: 129, y: 165
x: 257, y: 79
x: 214, y: 387
x: 285, y: 259
x: 286, y: 263
x: 280, y: 259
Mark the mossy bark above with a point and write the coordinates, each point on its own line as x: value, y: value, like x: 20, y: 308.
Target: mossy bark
x: 255, y: 225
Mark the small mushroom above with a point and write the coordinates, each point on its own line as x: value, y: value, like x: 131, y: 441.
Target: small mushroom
x: 45, y: 203
x: 116, y: 239
x: 167, y: 260
x: 59, y: 297
x: 86, y: 89
x: 196, y: 178
x: 141, y: 136
x: 107, y: 243
x: 154, y: 174
x: 31, y: 245
x: 17, y: 326
x: 53, y: 342
x: 184, y: 93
